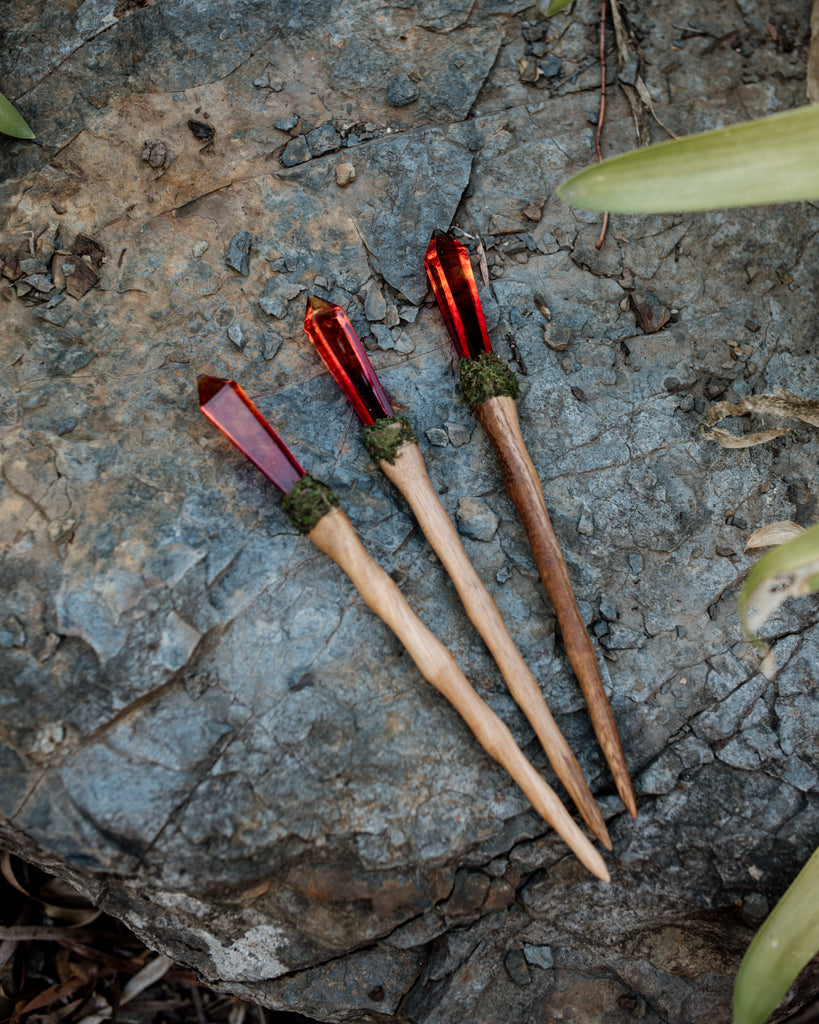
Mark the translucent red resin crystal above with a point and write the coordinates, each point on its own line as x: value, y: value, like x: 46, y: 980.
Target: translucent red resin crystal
x: 344, y: 356
x: 450, y: 274
x: 230, y: 410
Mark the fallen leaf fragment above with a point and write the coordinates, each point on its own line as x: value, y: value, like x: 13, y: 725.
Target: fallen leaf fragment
x: 149, y: 975
x: 778, y: 403
x: 772, y: 534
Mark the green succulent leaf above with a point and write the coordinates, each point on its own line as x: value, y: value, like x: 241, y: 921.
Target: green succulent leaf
x: 771, y: 160
x: 786, y: 942
x: 790, y: 570
x: 557, y: 5
x: 11, y: 122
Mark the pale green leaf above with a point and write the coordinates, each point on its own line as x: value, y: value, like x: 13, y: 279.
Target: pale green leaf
x: 786, y: 942
x: 557, y: 5
x: 771, y: 160
x: 790, y: 570
x: 11, y: 122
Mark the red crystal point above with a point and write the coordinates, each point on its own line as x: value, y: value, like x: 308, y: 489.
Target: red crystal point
x: 453, y: 283
x: 231, y: 411
x: 344, y: 356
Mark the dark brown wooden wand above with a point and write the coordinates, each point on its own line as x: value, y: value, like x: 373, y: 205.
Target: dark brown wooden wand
x: 490, y: 388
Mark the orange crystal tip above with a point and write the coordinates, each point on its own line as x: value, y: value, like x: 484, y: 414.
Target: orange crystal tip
x: 343, y: 354
x: 230, y: 410
x: 453, y: 283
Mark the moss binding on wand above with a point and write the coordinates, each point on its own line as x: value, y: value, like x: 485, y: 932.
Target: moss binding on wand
x: 309, y: 501
x: 486, y: 377
x: 384, y: 437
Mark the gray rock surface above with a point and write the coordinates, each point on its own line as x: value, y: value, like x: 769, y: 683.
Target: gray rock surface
x: 201, y: 726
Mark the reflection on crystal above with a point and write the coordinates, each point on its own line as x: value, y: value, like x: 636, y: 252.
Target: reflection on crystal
x: 450, y: 274
x: 344, y: 356
x: 230, y: 410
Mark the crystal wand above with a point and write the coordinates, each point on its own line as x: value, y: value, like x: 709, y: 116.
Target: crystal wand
x: 314, y: 509
x: 390, y: 441
x: 490, y: 389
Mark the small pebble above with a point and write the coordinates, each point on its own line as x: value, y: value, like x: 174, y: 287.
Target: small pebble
x: 375, y: 305
x: 401, y: 91
x: 271, y: 343
x: 285, y: 124
x: 437, y: 437
x: 239, y: 252
x: 635, y: 561
x: 345, y: 173
x: 458, y: 434
x: 503, y: 574
x: 198, y: 249
x: 608, y: 609
x: 539, y: 956
x: 236, y: 336
x: 516, y: 966
x: 403, y: 342
x: 585, y: 525
x: 476, y: 519
x: 383, y: 335
x: 155, y: 153
x: 295, y: 152
x: 324, y: 139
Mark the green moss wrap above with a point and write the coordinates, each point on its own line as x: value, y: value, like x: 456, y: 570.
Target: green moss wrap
x: 309, y: 501
x: 486, y: 377
x: 383, y: 439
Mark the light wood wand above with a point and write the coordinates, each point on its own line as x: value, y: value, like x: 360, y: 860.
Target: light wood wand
x: 490, y: 389
x: 391, y: 443
x: 314, y: 509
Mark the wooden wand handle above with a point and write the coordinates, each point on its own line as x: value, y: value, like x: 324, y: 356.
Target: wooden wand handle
x: 408, y: 473
x: 335, y: 536
x: 499, y: 418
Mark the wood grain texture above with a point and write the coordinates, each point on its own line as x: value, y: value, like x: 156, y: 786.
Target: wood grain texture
x: 335, y: 536
x: 499, y: 419
x: 408, y: 473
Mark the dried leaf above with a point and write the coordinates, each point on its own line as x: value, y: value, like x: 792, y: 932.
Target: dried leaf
x: 149, y: 975
x: 102, y: 1010
x: 630, y: 64
x: 779, y: 403
x: 772, y: 534
x: 52, y: 994
x: 8, y: 874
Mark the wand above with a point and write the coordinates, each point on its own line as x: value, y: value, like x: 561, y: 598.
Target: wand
x: 490, y: 389
x: 314, y: 509
x: 391, y: 443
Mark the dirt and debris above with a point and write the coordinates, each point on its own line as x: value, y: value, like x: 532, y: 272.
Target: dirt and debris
x: 64, y: 962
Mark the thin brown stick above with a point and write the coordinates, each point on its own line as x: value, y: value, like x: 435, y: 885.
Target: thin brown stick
x: 499, y: 418
x: 600, y: 119
x: 335, y: 536
x: 409, y: 475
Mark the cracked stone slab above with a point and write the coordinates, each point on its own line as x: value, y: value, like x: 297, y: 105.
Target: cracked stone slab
x: 202, y: 727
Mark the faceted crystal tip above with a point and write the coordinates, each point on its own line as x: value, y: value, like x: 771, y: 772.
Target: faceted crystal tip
x: 230, y: 410
x: 344, y: 356
x: 453, y: 284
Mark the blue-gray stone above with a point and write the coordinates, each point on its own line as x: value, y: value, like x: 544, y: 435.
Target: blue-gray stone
x: 324, y: 139
x: 401, y: 91
x: 297, y: 151
x: 238, y: 256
